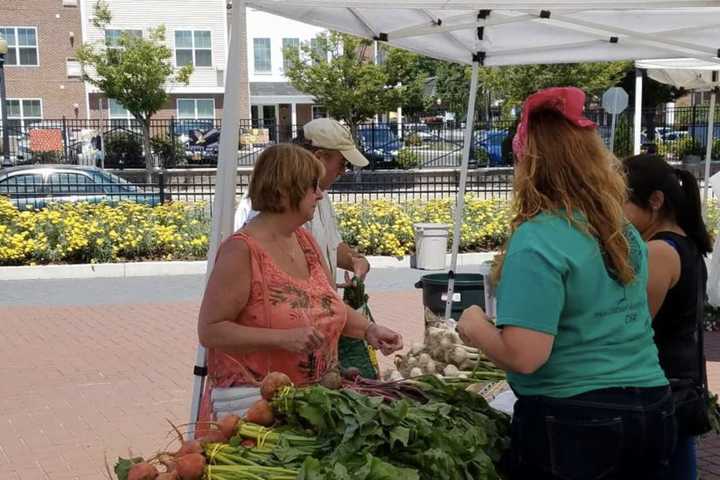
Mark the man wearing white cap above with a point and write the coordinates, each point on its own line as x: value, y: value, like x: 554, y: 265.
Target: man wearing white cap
x: 332, y: 144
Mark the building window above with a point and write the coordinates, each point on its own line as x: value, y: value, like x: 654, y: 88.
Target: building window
x: 73, y: 69
x: 193, y: 47
x: 119, y: 116
x: 23, y: 113
x: 381, y: 53
x: 113, y: 36
x: 289, y: 43
x: 196, y: 108
x: 22, y: 45
x: 319, y: 49
x: 263, y: 63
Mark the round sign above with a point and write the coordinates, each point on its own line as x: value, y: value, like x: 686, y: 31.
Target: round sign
x: 615, y: 100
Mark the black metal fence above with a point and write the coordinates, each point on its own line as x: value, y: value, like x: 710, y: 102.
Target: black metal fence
x: 677, y: 133
x: 39, y: 186
x: 34, y: 188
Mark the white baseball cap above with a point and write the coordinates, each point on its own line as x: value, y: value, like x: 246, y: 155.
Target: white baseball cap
x: 332, y: 135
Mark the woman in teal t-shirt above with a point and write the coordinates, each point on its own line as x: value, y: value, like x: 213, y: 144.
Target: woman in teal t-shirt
x: 575, y: 332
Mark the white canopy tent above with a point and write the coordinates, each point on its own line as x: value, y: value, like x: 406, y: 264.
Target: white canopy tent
x: 506, y: 32
x: 690, y: 74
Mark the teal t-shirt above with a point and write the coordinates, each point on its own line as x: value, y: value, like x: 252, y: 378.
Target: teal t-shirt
x: 554, y: 281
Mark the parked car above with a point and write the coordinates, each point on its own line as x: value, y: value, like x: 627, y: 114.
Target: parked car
x: 379, y: 144
x: 35, y: 186
x: 490, y: 142
x: 185, y: 127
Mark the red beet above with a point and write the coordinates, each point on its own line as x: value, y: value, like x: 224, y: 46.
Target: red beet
x: 260, y: 413
x: 273, y: 383
x: 191, y: 466
x: 228, y: 425
x: 213, y: 436
x: 143, y: 471
x: 190, y: 446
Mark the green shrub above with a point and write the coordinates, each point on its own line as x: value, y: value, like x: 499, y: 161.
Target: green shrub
x: 716, y: 149
x: 407, y: 159
x: 623, y: 144
x: 680, y: 148
x: 170, y: 154
x: 413, y: 140
x: 122, y: 148
x: 482, y: 157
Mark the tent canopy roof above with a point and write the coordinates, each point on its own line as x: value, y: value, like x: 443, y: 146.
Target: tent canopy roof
x: 522, y: 32
x: 688, y: 73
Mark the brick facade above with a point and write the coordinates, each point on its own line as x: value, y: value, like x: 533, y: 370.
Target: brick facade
x: 59, y: 33
x: 169, y: 110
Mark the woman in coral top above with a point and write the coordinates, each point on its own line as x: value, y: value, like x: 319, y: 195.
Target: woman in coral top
x: 269, y: 304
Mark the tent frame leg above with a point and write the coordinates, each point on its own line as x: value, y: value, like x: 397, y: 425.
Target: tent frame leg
x: 708, y: 148
x: 460, y: 201
x: 223, y: 212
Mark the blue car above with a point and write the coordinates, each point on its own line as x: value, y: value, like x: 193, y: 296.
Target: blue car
x: 379, y: 144
x: 35, y: 186
x: 490, y: 142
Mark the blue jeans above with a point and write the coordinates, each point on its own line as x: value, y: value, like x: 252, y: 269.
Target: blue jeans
x: 683, y: 464
x: 609, y: 434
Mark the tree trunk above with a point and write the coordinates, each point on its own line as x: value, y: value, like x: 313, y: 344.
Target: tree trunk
x: 149, y: 161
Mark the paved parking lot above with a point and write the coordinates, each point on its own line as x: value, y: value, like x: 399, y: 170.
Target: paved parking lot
x: 93, y: 369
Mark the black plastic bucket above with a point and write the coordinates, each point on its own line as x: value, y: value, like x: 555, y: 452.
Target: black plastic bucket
x: 469, y: 290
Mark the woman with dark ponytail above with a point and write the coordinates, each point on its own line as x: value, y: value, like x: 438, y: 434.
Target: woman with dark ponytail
x: 664, y: 205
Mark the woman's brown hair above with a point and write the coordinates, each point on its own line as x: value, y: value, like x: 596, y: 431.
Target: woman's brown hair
x: 568, y: 169
x: 283, y: 171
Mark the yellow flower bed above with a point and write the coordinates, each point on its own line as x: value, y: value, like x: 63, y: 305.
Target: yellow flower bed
x: 383, y: 227
x: 93, y: 233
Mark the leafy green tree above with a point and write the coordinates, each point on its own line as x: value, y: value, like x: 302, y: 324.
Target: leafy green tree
x: 338, y: 71
x: 412, y: 71
x: 514, y: 83
x: 134, y: 72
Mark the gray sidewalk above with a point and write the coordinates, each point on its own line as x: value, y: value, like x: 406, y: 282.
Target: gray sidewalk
x: 160, y: 289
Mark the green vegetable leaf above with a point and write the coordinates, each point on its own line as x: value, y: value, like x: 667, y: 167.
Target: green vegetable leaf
x: 399, y: 435
x: 123, y: 466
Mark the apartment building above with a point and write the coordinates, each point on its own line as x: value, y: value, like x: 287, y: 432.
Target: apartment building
x: 196, y: 32
x: 273, y: 100
x: 43, y: 78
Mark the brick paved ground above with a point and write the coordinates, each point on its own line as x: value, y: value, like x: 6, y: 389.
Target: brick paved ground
x: 709, y: 447
x: 83, y: 382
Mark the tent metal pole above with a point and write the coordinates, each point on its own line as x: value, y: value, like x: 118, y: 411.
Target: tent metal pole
x: 226, y: 178
x: 460, y: 202
x: 708, y: 148
x: 637, y: 122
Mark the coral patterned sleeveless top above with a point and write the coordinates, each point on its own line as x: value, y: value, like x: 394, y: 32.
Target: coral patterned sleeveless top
x: 280, y: 301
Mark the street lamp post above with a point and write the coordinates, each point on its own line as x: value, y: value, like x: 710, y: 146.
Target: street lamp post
x: 3, y: 103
